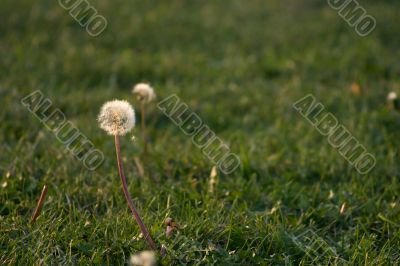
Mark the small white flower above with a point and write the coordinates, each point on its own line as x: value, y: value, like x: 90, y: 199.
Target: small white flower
x: 144, y: 258
x: 116, y: 117
x: 144, y: 92
x: 392, y: 96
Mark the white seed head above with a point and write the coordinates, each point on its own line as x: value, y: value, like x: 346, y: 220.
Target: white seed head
x: 116, y: 117
x: 144, y: 258
x: 392, y: 96
x: 144, y: 92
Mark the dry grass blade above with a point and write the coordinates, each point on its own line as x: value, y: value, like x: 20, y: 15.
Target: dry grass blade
x: 213, y: 179
x: 39, y: 205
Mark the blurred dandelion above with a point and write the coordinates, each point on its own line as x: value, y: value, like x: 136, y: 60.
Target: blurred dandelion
x: 393, y: 101
x: 392, y: 96
x: 144, y: 258
x: 117, y: 118
x: 144, y: 94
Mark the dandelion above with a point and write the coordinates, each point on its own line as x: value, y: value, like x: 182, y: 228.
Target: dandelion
x: 393, y: 100
x: 145, y: 94
x: 117, y: 118
x: 144, y: 258
x: 392, y: 96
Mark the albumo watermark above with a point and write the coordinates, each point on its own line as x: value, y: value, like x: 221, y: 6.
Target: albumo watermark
x: 202, y: 136
x: 316, y: 248
x: 355, y: 15
x: 338, y: 136
x: 65, y: 131
x: 86, y: 15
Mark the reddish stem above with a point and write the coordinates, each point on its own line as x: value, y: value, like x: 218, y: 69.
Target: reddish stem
x: 135, y: 213
x: 39, y: 205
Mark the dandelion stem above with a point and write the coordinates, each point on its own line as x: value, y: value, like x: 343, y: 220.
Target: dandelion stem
x: 135, y: 213
x: 143, y: 123
x: 39, y: 205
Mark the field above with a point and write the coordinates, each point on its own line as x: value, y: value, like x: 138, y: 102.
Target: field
x: 240, y: 66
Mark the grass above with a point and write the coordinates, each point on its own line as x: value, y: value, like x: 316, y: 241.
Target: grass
x: 240, y: 65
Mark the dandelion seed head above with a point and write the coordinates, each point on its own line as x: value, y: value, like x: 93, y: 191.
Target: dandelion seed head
x: 392, y: 96
x: 144, y: 258
x: 116, y: 117
x: 144, y: 92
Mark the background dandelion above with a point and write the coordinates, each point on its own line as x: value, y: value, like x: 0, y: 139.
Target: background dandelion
x: 144, y: 94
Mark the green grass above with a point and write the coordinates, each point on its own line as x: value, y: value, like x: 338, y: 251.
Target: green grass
x: 240, y: 65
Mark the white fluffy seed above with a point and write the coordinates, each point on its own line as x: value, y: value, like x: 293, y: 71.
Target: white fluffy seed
x: 116, y: 117
x: 144, y: 92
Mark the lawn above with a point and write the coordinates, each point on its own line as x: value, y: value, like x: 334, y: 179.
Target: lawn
x: 240, y: 66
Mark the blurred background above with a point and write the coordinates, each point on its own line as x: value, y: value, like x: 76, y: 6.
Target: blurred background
x: 240, y: 65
